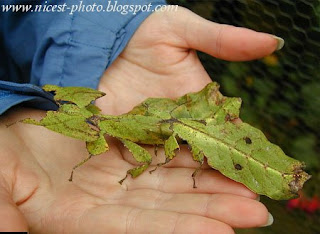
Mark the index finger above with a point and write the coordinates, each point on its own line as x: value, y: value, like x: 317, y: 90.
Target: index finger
x: 224, y: 41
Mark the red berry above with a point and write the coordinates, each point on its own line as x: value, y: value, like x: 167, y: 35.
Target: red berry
x: 294, y: 203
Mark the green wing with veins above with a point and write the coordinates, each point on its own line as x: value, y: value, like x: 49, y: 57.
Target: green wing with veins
x: 242, y: 153
x: 204, y: 120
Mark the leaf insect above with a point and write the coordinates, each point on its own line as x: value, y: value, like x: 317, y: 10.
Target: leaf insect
x: 205, y: 120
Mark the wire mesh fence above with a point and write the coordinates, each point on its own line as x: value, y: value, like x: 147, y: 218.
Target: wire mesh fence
x: 281, y: 92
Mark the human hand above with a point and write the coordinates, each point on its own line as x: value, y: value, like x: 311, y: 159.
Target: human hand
x: 35, y: 193
x: 35, y: 163
x: 160, y: 60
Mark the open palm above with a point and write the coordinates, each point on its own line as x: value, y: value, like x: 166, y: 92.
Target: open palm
x: 159, y: 61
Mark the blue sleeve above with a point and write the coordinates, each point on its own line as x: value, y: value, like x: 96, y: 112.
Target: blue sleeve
x: 61, y: 48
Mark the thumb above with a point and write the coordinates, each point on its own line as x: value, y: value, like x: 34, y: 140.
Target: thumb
x: 223, y: 41
x: 12, y: 220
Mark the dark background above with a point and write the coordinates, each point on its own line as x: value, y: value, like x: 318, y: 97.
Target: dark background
x: 280, y: 93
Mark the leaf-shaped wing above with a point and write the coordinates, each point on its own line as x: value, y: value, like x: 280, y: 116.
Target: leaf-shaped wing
x: 136, y: 128
x: 243, y: 154
x: 159, y: 107
x: 78, y: 95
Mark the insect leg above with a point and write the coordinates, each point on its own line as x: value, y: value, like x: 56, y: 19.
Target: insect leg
x: 96, y: 147
x: 197, y: 156
x: 159, y: 165
x: 78, y: 165
x: 170, y: 147
x: 141, y: 155
x: 156, y: 147
x: 194, y: 174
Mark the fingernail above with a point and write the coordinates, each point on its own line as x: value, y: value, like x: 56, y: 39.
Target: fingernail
x: 280, y: 42
x: 270, y: 221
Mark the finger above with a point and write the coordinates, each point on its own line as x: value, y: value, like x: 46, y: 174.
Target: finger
x: 222, y: 41
x: 179, y: 180
x: 118, y: 219
x: 11, y: 218
x: 236, y: 211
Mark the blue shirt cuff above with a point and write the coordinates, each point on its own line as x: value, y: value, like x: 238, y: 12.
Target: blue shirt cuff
x: 12, y: 94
